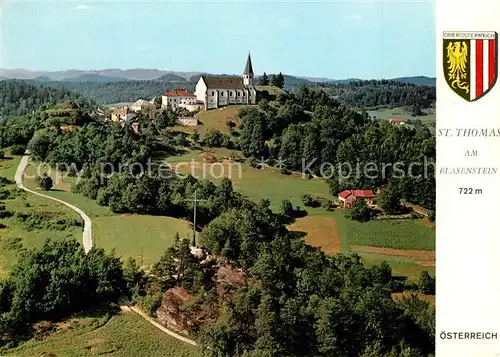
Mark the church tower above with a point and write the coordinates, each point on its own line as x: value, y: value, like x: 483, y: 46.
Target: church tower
x: 248, y: 73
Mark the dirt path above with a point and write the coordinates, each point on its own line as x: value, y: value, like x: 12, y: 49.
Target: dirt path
x: 126, y: 307
x: 422, y: 257
x: 87, y: 227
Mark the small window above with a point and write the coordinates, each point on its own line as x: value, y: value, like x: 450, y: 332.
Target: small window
x: 230, y: 94
x: 221, y: 94
x: 212, y: 92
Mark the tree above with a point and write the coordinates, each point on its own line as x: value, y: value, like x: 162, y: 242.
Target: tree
x: 278, y: 80
x: 286, y: 209
x: 264, y: 80
x: 359, y: 211
x: 427, y: 284
x: 44, y: 182
x: 389, y: 201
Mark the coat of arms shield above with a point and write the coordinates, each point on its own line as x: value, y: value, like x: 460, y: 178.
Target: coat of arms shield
x: 470, y: 62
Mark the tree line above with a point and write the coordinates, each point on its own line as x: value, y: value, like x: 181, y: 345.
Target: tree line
x: 309, y: 131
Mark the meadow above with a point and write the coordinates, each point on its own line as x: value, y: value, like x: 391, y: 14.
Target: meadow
x: 122, y: 335
x: 428, y: 117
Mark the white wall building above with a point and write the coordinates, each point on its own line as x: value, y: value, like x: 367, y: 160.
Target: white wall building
x: 216, y: 91
x: 180, y: 98
x: 123, y: 114
x: 142, y: 104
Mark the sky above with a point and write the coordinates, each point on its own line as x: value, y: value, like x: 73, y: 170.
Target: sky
x: 333, y: 39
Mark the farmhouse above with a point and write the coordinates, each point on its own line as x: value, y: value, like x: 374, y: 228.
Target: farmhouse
x: 180, y: 98
x: 397, y: 122
x: 348, y: 197
x: 219, y: 91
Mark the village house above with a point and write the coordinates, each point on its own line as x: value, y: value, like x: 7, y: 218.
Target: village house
x: 141, y: 105
x: 397, y: 122
x: 220, y: 91
x: 180, y: 98
x: 348, y: 197
x: 122, y: 114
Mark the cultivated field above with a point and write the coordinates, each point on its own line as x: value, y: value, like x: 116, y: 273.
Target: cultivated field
x: 122, y: 335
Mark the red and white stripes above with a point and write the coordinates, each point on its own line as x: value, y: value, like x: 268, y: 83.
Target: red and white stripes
x: 482, y: 66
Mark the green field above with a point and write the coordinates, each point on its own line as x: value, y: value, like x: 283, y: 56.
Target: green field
x: 15, y: 236
x: 404, y: 234
x: 429, y: 117
x: 124, y: 335
x: 144, y: 238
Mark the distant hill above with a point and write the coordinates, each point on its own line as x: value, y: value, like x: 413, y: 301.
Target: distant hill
x: 171, y: 78
x: 42, y: 79
x: 420, y: 81
x: 96, y: 78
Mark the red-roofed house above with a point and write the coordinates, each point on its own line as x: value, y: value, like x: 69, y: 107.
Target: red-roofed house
x: 180, y: 98
x: 348, y: 197
x: 397, y: 122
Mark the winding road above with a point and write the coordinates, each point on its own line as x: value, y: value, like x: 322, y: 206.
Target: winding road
x: 87, y: 245
x: 87, y: 223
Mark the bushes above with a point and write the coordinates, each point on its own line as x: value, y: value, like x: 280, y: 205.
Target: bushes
x: 309, y: 201
x: 37, y: 220
x: 44, y: 182
x: 18, y: 149
x: 359, y: 211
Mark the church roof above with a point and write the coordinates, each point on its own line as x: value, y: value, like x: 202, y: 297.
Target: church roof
x: 248, y: 67
x: 215, y: 82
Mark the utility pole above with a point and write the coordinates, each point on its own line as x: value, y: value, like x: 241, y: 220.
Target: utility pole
x: 195, y: 200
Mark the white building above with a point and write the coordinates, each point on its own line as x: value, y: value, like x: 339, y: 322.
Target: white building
x: 141, y: 105
x: 217, y: 91
x: 180, y: 98
x: 122, y: 114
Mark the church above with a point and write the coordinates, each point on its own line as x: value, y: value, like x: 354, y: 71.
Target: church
x: 219, y: 91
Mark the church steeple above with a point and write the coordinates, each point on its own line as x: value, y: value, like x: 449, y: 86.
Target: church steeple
x: 248, y: 73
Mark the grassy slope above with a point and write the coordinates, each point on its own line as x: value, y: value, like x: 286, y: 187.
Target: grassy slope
x: 124, y: 335
x: 142, y: 237
x: 213, y: 119
x: 15, y: 232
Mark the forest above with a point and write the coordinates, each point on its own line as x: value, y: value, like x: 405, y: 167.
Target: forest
x: 375, y: 94
x: 22, y: 97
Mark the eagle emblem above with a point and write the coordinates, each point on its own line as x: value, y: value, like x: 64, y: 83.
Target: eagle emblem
x: 457, y: 65
x: 470, y: 62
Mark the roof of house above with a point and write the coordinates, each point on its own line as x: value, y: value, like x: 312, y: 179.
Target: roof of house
x: 179, y: 93
x: 397, y: 121
x: 123, y: 111
x: 357, y: 193
x: 142, y: 103
x: 345, y: 194
x: 248, y: 67
x: 215, y: 82
x: 363, y: 193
